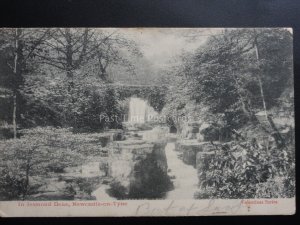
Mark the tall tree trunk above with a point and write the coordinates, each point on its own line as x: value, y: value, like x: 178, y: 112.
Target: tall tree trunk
x: 26, y: 186
x: 15, y: 72
x: 69, y: 59
x: 15, y: 115
x: 258, y: 75
x: 276, y: 134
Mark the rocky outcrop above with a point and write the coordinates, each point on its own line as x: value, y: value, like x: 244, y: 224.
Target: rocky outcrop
x: 199, y: 130
x: 138, y: 169
x: 209, y: 132
x: 156, y: 134
x: 104, y: 138
x: 190, y: 130
x: 115, y: 134
x: 190, y: 148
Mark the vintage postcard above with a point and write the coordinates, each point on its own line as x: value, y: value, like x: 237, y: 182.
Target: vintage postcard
x: 146, y: 122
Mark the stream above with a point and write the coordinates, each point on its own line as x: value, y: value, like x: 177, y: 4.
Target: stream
x: 184, y: 177
x: 185, y: 182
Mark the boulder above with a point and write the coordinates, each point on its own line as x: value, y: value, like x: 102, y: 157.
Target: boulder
x: 135, y: 165
x: 103, y: 138
x: 190, y: 148
x: 204, y: 126
x: 200, y: 137
x: 116, y: 134
x: 192, y: 136
x: 209, y: 132
x: 190, y: 130
x: 157, y: 133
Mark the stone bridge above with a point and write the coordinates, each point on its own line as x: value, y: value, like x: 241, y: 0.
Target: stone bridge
x: 154, y: 94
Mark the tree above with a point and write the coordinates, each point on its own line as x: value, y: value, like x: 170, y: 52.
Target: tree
x: 69, y: 49
x: 18, y: 47
x: 236, y: 71
x: 116, y: 51
x: 74, y: 63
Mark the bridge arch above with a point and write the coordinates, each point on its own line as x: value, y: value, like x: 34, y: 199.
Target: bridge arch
x: 154, y: 94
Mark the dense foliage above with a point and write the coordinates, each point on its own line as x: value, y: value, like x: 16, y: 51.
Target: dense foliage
x: 56, y: 85
x: 248, y: 170
x: 81, y: 108
x: 225, y: 74
x: 234, y: 75
x: 60, y: 76
x: 37, y: 154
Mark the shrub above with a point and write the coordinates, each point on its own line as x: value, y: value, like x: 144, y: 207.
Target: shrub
x: 117, y: 190
x: 38, y: 152
x: 87, y: 185
x: 247, y: 170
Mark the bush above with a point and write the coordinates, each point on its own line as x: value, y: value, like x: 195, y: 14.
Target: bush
x: 117, y: 190
x: 12, y: 184
x: 38, y: 152
x: 79, y: 107
x: 87, y: 185
x: 247, y: 170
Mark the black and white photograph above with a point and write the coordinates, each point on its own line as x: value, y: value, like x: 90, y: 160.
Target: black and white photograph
x: 121, y: 114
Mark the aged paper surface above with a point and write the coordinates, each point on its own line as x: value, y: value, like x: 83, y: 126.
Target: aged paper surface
x: 146, y: 122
